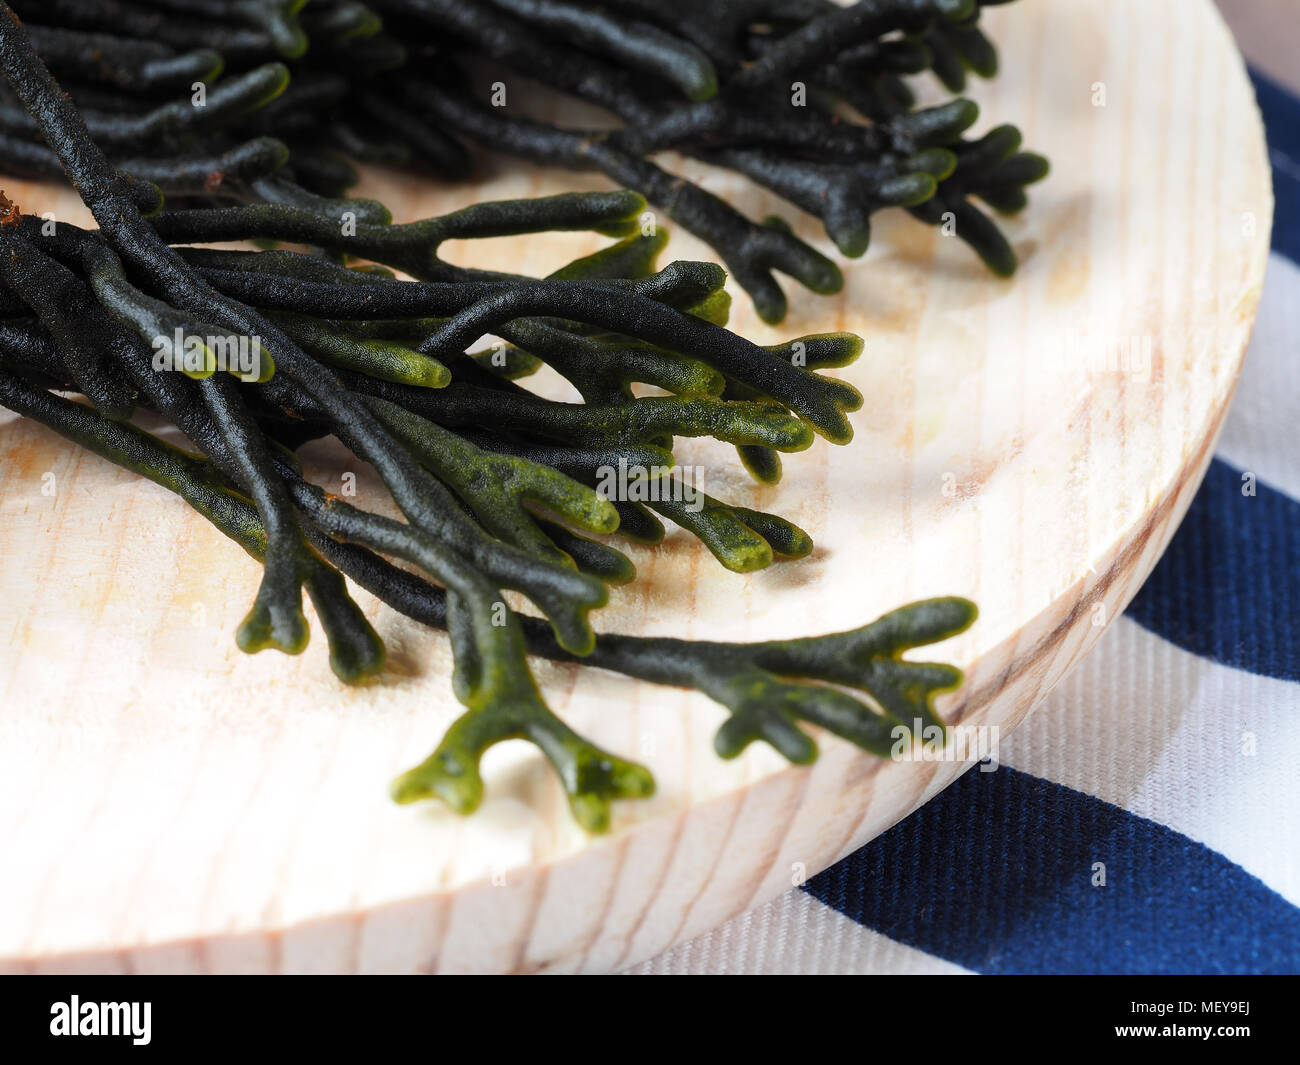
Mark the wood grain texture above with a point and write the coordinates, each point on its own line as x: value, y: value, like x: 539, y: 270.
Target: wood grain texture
x: 169, y: 804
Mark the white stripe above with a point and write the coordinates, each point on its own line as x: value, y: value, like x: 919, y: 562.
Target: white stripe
x: 1262, y: 433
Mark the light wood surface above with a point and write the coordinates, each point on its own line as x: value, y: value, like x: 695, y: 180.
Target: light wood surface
x: 169, y: 804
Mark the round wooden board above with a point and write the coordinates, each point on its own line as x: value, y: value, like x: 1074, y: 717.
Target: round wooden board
x: 169, y: 804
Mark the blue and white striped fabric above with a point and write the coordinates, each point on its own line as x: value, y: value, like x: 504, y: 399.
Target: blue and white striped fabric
x: 1171, y: 755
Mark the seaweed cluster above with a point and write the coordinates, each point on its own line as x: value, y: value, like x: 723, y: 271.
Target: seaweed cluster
x: 497, y: 486
x: 807, y: 98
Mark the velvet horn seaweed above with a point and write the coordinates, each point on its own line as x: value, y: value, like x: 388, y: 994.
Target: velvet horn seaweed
x: 182, y: 126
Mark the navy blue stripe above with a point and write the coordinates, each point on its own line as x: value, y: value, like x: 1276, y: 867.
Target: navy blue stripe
x: 1228, y: 588
x: 996, y: 874
x: 1281, y: 111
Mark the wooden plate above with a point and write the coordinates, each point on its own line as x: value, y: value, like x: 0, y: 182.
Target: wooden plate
x: 167, y: 803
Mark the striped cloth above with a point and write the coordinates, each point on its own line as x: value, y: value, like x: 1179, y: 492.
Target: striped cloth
x: 1171, y: 756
